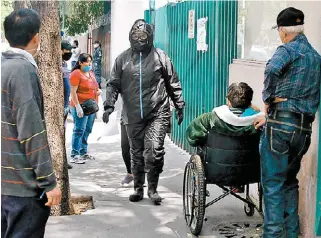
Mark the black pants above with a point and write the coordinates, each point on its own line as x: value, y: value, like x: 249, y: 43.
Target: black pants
x: 23, y: 217
x: 146, y: 141
x: 125, y: 148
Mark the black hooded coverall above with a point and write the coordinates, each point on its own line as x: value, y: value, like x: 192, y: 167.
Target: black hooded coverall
x: 145, y: 77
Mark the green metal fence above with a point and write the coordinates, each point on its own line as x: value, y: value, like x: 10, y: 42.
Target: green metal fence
x: 204, y: 76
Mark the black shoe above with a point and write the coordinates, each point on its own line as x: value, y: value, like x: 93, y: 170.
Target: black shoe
x: 152, y: 188
x: 155, y: 198
x: 137, y: 196
x: 69, y: 166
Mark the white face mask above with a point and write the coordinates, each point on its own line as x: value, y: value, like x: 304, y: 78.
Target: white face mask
x: 37, y: 51
x: 96, y: 45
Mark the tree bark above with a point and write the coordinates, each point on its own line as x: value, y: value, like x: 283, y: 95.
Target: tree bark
x: 50, y: 71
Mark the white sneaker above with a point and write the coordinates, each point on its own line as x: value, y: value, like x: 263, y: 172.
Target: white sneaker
x: 77, y: 160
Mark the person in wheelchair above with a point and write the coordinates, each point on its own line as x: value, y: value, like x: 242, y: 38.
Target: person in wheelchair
x: 235, y: 118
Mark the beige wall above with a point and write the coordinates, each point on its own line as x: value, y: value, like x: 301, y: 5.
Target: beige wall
x: 83, y: 42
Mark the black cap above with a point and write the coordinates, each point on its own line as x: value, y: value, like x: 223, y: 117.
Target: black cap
x: 65, y: 45
x: 96, y: 42
x: 290, y: 17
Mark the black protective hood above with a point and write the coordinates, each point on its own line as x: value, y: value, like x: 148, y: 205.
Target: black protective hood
x: 142, y: 46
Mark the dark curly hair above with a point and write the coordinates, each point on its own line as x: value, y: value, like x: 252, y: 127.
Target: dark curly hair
x: 83, y: 57
x: 240, y: 95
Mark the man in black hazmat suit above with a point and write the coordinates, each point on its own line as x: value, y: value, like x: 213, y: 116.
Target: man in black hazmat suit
x: 145, y: 78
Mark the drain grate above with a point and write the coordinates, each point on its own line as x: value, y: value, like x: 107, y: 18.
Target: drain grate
x: 239, y: 230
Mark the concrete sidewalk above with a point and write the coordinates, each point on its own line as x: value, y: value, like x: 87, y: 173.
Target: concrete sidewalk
x: 114, y: 216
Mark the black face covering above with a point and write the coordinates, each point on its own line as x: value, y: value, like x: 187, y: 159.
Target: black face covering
x: 140, y: 43
x: 66, y: 56
x: 140, y: 46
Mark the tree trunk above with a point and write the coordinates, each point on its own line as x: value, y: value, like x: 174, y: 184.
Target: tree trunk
x: 20, y: 4
x: 49, y: 63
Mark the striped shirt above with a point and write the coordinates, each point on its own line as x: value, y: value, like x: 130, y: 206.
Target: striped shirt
x: 26, y: 166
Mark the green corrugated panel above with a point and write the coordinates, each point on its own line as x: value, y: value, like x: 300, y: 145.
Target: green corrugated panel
x: 147, y: 16
x: 204, y: 76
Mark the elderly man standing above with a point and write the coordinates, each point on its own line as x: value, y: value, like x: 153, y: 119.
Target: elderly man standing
x: 291, y: 96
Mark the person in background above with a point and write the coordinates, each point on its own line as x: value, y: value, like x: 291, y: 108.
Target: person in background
x: 98, y: 54
x: 292, y: 74
x: 28, y: 182
x: 75, y: 53
x: 66, y: 55
x: 83, y: 87
x: 125, y: 149
x: 145, y: 77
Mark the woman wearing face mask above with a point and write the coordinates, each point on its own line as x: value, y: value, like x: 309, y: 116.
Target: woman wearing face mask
x: 83, y: 87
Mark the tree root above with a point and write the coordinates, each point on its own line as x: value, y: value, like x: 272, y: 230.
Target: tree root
x: 82, y: 203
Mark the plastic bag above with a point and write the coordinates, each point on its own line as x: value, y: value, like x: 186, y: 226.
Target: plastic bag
x: 100, y: 113
x: 102, y: 129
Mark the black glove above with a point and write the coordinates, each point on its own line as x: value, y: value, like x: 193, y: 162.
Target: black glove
x: 107, y: 114
x: 179, y: 115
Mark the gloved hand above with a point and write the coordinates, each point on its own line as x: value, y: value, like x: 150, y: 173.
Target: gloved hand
x: 107, y: 114
x: 80, y: 112
x: 66, y: 111
x: 179, y: 115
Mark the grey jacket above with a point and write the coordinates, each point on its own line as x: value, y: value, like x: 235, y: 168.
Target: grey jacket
x: 26, y: 166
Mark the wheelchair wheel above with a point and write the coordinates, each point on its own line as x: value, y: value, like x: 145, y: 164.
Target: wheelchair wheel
x: 249, y: 209
x: 194, y: 194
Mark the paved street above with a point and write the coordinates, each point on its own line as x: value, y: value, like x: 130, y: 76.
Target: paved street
x: 114, y: 216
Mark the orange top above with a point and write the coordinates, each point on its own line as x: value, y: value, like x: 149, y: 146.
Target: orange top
x: 87, y: 86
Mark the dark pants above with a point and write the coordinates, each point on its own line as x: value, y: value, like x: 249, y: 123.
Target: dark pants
x: 23, y: 217
x: 282, y: 147
x: 146, y: 141
x: 125, y: 148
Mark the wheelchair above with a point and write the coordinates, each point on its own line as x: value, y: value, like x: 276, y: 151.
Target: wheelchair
x: 227, y: 161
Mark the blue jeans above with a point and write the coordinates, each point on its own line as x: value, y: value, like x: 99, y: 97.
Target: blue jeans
x: 82, y: 128
x: 23, y: 217
x: 282, y: 147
